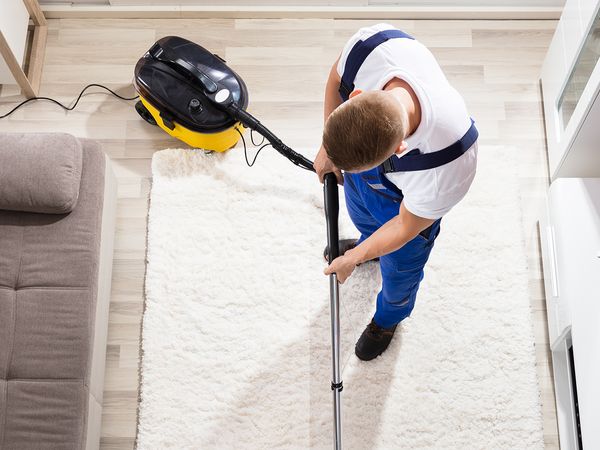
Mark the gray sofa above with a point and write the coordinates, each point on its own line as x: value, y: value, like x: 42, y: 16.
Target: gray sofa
x: 57, y: 222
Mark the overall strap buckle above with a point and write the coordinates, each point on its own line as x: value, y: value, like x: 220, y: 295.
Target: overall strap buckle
x: 345, y: 90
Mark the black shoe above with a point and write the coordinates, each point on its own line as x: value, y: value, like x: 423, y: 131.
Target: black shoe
x: 373, y: 341
x: 344, y: 246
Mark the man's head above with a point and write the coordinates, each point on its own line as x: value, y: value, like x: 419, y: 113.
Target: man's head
x: 366, y: 130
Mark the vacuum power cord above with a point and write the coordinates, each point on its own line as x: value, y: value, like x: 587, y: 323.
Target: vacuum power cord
x: 250, y: 164
x: 68, y: 108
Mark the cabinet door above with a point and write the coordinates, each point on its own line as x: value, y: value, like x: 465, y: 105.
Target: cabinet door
x: 586, y: 310
x: 554, y: 72
x: 549, y: 267
x: 574, y: 212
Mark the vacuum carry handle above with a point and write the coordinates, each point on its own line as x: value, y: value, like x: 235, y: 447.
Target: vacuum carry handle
x: 165, y: 56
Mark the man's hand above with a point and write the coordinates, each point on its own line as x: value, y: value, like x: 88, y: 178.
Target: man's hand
x: 343, y: 266
x: 323, y: 165
x: 390, y: 237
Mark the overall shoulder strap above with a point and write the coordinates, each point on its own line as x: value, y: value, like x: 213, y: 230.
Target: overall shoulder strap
x: 359, y: 53
x: 414, y: 161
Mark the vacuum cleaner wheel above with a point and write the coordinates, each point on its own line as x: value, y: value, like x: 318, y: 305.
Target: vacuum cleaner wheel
x: 143, y: 111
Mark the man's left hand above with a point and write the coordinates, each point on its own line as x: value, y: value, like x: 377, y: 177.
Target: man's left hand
x: 343, y: 266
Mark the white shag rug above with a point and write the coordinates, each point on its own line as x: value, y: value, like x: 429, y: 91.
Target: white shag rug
x: 236, y: 338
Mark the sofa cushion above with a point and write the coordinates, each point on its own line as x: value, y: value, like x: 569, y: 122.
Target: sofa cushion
x: 39, y: 172
x: 44, y: 415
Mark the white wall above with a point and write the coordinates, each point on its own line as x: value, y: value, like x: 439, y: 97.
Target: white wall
x: 477, y: 3
x: 73, y: 2
x: 411, y: 3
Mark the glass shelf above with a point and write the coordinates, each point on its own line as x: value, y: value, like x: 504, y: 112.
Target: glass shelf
x: 584, y: 66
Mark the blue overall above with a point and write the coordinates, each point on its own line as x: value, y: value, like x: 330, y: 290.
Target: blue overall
x: 402, y: 270
x: 372, y: 200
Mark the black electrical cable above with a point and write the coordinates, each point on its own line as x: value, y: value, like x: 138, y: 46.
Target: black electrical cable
x: 258, y: 152
x: 68, y: 108
x: 252, y: 139
x: 250, y: 164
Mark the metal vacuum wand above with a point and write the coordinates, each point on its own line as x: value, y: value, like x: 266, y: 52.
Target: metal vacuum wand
x: 330, y: 189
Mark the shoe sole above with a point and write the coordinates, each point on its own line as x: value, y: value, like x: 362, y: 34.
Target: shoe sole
x: 368, y: 359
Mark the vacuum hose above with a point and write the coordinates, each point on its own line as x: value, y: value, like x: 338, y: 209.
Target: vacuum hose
x: 249, y: 121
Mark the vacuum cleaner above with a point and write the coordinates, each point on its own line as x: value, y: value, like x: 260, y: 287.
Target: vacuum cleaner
x: 195, y: 97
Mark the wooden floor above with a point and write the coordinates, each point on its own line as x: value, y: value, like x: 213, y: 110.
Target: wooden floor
x: 494, y: 64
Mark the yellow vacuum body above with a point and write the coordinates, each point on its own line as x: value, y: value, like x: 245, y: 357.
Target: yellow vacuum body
x: 172, y: 98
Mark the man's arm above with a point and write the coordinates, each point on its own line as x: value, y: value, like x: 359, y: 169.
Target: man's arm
x: 332, y: 100
x: 332, y: 96
x: 387, y: 239
x: 391, y: 236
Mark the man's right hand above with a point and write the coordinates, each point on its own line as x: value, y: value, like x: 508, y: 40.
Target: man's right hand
x: 323, y: 165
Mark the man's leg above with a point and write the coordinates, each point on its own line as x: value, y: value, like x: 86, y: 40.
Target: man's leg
x: 401, y: 272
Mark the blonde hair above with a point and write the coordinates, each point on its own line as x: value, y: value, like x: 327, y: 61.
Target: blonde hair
x: 362, y: 132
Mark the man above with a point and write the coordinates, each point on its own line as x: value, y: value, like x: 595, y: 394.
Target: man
x: 408, y: 148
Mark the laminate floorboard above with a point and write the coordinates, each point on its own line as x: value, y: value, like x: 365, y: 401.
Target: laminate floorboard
x: 494, y: 64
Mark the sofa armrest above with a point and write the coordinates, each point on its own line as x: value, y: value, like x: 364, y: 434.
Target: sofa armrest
x: 39, y: 172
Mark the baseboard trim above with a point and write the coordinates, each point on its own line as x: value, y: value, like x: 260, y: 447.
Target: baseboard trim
x: 304, y: 12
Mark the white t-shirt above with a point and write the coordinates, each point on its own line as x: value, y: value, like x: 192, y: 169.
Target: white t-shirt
x: 444, y: 120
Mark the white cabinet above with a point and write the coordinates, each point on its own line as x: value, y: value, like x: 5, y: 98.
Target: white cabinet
x: 570, y: 84
x: 570, y: 232
x: 14, y: 19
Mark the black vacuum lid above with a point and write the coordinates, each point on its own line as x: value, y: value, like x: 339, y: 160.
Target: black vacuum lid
x: 179, y: 96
